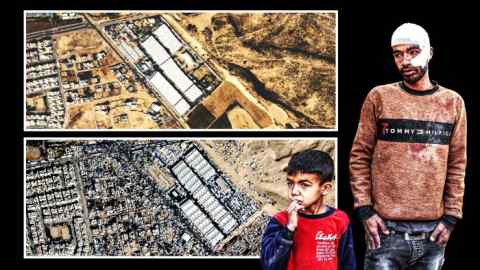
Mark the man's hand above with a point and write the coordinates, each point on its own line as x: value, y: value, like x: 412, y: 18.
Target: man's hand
x: 373, y: 226
x: 292, y: 211
x: 440, y: 235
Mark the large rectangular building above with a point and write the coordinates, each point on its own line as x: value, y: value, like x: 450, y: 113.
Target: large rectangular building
x: 155, y: 50
x: 201, y: 222
x: 163, y: 87
x: 190, y: 173
x: 182, y: 82
x: 168, y: 38
x: 198, y: 162
x: 176, y: 75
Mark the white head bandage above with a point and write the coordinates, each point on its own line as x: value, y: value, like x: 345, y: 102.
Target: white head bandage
x: 409, y: 33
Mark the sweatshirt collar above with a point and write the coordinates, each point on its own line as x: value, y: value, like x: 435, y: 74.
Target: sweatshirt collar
x: 327, y: 213
x: 417, y: 92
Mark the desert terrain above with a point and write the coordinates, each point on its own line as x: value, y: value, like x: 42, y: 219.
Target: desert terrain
x: 286, y: 59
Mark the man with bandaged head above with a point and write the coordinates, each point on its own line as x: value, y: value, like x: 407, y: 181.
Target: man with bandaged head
x: 407, y: 162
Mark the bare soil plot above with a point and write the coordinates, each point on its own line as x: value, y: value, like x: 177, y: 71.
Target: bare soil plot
x: 33, y: 153
x: 227, y: 94
x: 37, y: 104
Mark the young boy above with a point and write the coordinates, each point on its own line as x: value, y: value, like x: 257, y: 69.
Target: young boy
x: 308, y: 235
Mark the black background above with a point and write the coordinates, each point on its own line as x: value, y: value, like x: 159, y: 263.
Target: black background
x: 364, y: 61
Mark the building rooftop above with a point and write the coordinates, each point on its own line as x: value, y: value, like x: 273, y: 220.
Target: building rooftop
x: 167, y: 38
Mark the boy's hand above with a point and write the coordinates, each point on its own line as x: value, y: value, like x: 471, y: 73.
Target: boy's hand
x: 373, y: 226
x: 292, y: 211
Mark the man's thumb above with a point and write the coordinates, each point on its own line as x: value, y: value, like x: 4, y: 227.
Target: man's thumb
x: 382, y: 226
x: 434, y: 235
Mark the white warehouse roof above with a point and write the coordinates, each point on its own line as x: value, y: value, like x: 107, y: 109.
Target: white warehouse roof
x: 202, y: 222
x: 167, y: 38
x: 193, y: 93
x: 176, y: 75
x: 155, y: 50
x: 164, y: 88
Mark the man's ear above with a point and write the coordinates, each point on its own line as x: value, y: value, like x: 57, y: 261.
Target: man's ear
x: 431, y: 54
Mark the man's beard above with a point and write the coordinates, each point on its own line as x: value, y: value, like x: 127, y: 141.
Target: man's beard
x: 416, y: 76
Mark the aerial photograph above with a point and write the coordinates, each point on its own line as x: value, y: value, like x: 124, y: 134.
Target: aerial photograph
x: 96, y: 197
x: 149, y: 70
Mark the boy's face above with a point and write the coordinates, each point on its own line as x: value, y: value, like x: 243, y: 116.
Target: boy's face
x: 307, y: 188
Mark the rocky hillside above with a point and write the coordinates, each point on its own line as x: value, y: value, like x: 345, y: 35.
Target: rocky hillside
x: 286, y: 58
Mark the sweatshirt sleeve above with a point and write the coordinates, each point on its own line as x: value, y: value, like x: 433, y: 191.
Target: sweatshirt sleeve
x: 346, y: 251
x: 457, y: 160
x: 276, y: 246
x: 361, y: 153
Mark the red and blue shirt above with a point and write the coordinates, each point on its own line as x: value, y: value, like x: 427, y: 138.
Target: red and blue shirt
x: 321, y: 241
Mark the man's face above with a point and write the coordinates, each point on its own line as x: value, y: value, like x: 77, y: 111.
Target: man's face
x: 403, y: 55
x: 306, y: 188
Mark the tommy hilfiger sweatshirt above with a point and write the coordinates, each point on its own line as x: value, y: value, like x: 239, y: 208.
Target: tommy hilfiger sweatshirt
x: 408, y: 157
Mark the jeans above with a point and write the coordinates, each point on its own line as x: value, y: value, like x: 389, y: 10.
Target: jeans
x: 395, y: 252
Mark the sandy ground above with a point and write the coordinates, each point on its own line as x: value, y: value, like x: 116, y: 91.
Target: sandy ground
x: 227, y: 94
x: 33, y: 153
x: 239, y: 118
x: 293, y: 55
x: 280, y: 116
x: 38, y: 102
x: 61, y: 231
x: 83, y: 116
x: 137, y: 117
x: 102, y: 17
x: 79, y: 42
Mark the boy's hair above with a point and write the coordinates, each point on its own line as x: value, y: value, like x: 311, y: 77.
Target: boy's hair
x: 312, y: 161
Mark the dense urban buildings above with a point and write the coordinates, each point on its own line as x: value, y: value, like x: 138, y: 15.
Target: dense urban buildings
x: 126, y: 197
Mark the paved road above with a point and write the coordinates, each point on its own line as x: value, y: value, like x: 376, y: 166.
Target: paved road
x: 57, y: 30
x: 132, y: 65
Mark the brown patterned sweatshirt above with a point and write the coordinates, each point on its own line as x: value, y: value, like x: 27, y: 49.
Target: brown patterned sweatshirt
x: 408, y: 157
